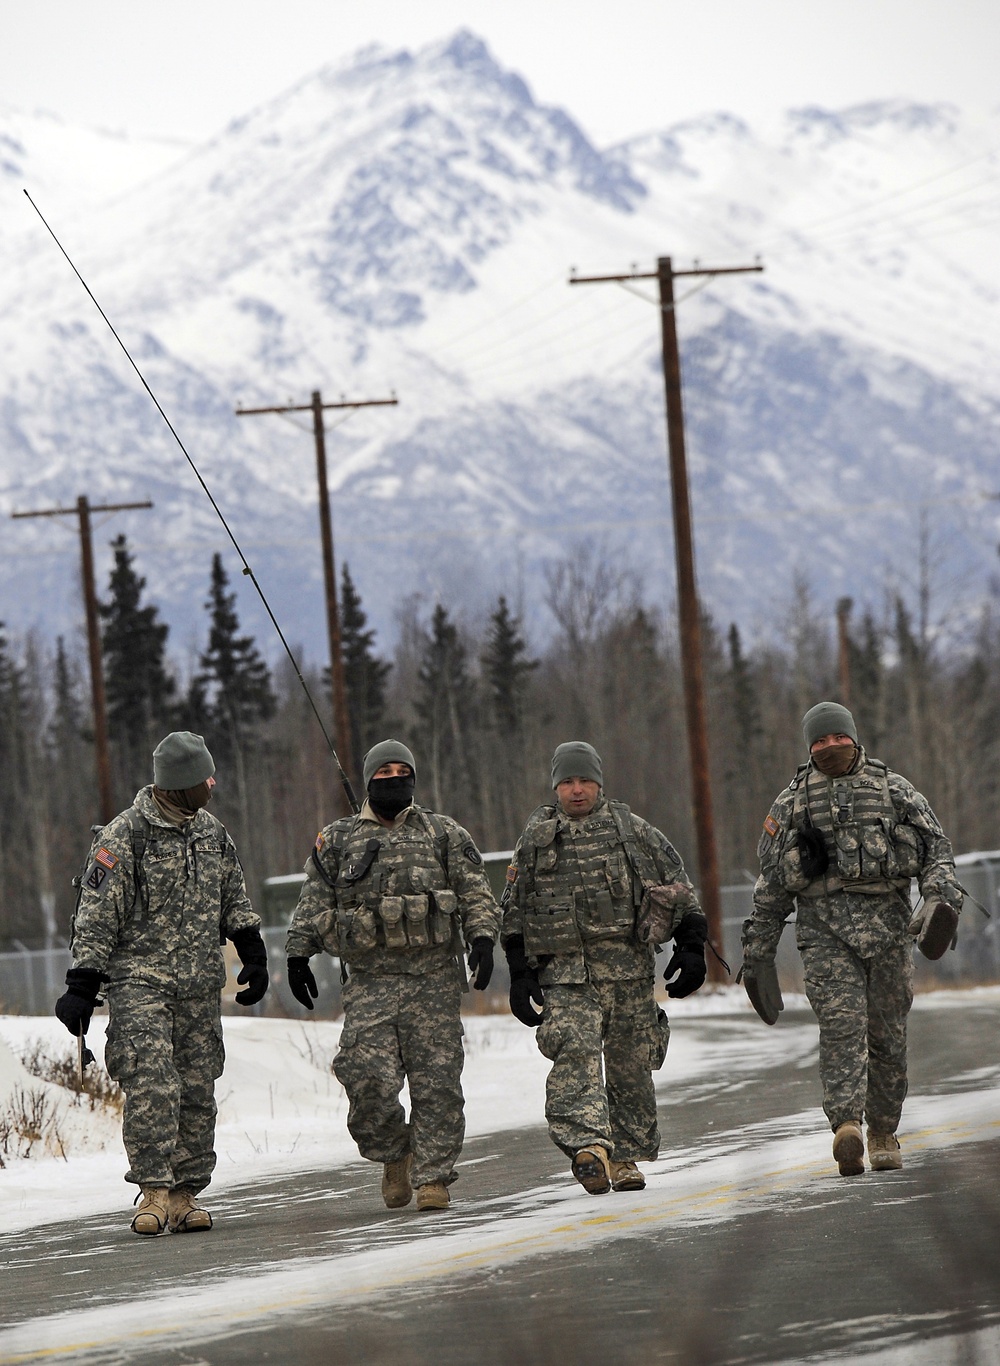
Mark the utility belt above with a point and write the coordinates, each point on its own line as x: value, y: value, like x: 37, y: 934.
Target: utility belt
x: 415, y: 921
x: 879, y: 887
x: 560, y: 922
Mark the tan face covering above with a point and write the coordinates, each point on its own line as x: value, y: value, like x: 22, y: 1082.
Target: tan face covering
x: 180, y: 806
x: 835, y: 760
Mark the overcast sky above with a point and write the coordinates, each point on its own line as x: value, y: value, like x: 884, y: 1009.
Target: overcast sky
x: 186, y: 67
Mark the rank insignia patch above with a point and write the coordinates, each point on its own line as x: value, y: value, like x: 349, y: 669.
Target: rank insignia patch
x: 771, y: 826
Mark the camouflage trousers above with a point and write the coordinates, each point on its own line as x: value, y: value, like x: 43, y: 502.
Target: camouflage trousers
x: 166, y: 1053
x: 401, y: 1027
x: 861, y: 1005
x: 621, y: 1021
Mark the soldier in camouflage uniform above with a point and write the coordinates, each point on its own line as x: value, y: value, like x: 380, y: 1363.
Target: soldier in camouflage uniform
x: 580, y: 938
x: 392, y: 892
x: 163, y: 890
x: 843, y: 841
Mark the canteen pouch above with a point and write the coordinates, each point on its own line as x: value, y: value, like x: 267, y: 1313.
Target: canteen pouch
x: 415, y: 909
x: 550, y: 927
x: 445, y: 908
x: 391, y: 915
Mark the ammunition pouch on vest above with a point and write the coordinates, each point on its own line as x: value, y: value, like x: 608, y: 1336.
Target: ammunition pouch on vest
x: 870, y: 851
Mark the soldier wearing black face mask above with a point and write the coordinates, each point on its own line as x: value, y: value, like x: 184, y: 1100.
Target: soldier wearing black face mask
x: 395, y: 893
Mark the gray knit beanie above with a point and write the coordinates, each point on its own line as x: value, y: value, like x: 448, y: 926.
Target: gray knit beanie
x: 828, y: 718
x: 387, y: 752
x: 181, y: 760
x: 576, y: 759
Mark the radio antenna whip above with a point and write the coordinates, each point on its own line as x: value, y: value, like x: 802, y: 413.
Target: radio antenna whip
x: 345, y: 781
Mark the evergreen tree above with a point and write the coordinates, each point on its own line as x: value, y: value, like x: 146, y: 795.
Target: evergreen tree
x: 746, y: 709
x: 443, y: 705
x: 233, y: 690
x: 506, y: 669
x: 365, y: 675
x: 67, y: 714
x: 139, y: 690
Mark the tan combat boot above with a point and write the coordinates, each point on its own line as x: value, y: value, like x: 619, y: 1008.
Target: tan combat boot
x: 396, y: 1188
x: 151, y: 1216
x: 591, y: 1169
x: 849, y: 1148
x: 433, y: 1196
x: 883, y: 1152
x: 626, y: 1176
x: 184, y: 1215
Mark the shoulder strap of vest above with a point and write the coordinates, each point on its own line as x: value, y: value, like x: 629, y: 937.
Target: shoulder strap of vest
x: 436, y: 828
x: 340, y: 838
x: 138, y: 833
x: 643, y: 868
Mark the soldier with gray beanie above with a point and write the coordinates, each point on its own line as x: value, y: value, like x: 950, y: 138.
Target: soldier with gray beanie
x: 592, y: 891
x: 397, y: 893
x: 162, y: 891
x: 842, y: 843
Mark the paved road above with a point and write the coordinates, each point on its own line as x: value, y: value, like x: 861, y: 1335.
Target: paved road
x: 745, y: 1247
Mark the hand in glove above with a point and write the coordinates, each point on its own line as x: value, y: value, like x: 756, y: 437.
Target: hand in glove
x: 301, y: 982
x: 481, y: 963
x: 253, y: 955
x: 524, y: 986
x: 75, y: 1007
x: 688, y: 959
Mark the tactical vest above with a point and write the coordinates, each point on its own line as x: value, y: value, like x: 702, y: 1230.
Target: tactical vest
x: 870, y: 850
x: 583, y: 884
x: 391, y: 896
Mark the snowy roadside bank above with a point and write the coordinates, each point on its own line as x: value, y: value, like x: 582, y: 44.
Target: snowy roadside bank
x: 280, y: 1108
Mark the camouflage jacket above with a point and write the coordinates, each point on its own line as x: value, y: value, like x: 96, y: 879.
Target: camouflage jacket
x: 879, y: 833
x: 396, y: 899
x: 574, y: 887
x: 162, y: 924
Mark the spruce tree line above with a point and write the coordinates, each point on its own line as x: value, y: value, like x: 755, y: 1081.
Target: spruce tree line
x: 482, y: 712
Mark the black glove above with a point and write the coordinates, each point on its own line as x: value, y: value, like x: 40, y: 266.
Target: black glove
x: 253, y: 955
x: 813, y: 853
x: 524, y: 987
x: 688, y: 958
x: 481, y: 963
x: 301, y: 982
x: 75, y: 1007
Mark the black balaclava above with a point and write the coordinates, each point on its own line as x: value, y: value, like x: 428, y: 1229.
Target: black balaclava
x: 389, y: 796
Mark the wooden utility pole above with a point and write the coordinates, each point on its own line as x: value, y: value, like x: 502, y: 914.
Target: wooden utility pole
x: 341, y: 721
x: 844, y: 606
x: 102, y: 757
x: 689, y: 611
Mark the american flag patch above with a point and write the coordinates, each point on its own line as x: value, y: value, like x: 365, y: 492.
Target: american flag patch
x: 771, y: 826
x: 511, y: 872
x: 105, y: 857
x: 319, y: 842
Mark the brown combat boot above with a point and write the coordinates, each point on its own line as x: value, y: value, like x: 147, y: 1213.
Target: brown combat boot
x: 151, y: 1216
x: 433, y: 1196
x: 849, y: 1148
x: 591, y: 1169
x: 626, y: 1176
x: 184, y: 1215
x: 396, y: 1188
x: 883, y: 1152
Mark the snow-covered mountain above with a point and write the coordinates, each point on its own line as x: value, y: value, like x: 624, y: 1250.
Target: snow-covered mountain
x: 408, y: 222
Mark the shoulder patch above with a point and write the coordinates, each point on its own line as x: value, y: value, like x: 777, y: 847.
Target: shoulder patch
x: 472, y: 853
x: 96, y: 876
x: 320, y: 842
x: 511, y: 873
x: 771, y: 826
x: 106, y: 858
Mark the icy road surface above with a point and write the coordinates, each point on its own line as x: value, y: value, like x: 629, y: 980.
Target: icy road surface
x: 745, y: 1246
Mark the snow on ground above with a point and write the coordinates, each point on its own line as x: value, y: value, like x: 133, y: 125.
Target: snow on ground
x: 281, y: 1109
